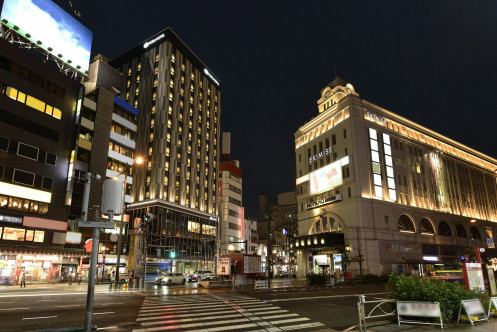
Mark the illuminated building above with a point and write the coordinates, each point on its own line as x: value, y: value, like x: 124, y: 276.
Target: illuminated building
x: 37, y: 103
x: 397, y: 193
x: 178, y: 131
x: 232, y: 224
x: 104, y: 145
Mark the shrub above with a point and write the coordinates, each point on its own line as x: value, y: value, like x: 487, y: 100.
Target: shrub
x: 369, y: 279
x: 414, y: 288
x: 316, y: 279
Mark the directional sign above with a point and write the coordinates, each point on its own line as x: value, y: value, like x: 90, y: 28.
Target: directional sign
x: 490, y: 242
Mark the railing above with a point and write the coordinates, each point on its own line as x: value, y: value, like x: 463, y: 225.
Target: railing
x: 374, y: 309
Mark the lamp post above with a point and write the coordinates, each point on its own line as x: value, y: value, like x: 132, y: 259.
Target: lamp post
x: 358, y: 258
x: 138, y: 161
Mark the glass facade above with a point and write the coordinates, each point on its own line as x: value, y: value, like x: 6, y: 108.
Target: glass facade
x: 188, y: 236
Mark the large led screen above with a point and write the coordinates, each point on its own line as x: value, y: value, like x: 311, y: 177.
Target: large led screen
x: 53, y: 29
x: 326, y: 178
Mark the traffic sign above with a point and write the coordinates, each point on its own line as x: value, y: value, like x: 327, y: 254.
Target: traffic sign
x: 490, y: 242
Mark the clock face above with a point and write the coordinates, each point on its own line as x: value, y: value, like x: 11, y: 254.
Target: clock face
x: 327, y: 94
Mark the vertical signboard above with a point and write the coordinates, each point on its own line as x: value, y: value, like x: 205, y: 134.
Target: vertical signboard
x: 473, y: 276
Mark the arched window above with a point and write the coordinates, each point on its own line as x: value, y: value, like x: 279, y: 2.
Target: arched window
x: 444, y: 229
x: 405, y: 224
x: 426, y: 227
x: 461, y: 232
x: 324, y: 225
x: 474, y: 234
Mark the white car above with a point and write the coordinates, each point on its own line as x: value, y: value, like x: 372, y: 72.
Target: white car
x: 171, y: 278
x: 200, y: 275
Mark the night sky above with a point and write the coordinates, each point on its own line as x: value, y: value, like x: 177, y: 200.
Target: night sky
x: 433, y: 62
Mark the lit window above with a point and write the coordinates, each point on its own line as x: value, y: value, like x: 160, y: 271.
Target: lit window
x: 139, y: 66
x: 156, y: 70
x: 154, y: 96
x: 173, y: 58
x: 155, y: 83
x: 157, y: 58
x: 138, y: 79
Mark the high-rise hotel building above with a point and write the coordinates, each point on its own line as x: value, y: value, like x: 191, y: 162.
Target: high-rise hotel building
x: 179, y: 100
x: 379, y: 186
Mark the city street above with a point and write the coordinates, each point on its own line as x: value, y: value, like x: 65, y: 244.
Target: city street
x: 182, y: 308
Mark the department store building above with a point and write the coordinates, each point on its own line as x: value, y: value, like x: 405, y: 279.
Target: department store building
x: 373, y: 184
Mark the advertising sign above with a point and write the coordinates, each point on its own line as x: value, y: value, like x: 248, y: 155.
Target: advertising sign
x: 473, y: 276
x: 73, y: 237
x: 223, y: 266
x: 491, y: 281
x: 51, y: 28
x: 10, y: 219
x: 326, y: 178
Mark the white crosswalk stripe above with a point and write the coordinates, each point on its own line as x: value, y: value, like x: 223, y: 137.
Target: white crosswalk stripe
x: 214, y: 313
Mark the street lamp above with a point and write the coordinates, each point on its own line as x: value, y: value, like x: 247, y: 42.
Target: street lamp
x: 138, y: 161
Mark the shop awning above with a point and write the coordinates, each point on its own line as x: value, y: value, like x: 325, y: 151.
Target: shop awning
x: 44, y: 251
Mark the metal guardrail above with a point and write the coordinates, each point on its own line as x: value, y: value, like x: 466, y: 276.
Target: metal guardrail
x: 374, y: 309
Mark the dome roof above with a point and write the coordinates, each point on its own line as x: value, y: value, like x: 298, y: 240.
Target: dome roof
x: 337, y: 82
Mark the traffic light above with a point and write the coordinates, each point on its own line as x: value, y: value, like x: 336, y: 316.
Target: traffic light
x: 172, y: 254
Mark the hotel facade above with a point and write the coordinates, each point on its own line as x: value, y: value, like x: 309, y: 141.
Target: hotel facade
x: 179, y: 100
x: 375, y: 186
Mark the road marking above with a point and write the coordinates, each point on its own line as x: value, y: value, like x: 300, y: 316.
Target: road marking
x: 301, y: 326
x: 67, y: 305
x: 184, y: 326
x: 319, y: 297
x: 187, y: 320
x: 15, y: 309
x: 47, y: 300
x: 278, y: 316
x: 104, y: 313
x: 107, y: 328
x: 26, y: 318
x: 142, y: 317
x: 283, y: 321
x: 223, y: 328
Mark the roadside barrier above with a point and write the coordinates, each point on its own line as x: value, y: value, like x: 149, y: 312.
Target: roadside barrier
x: 369, y: 310
x: 417, y: 311
x: 258, y: 284
x: 474, y: 311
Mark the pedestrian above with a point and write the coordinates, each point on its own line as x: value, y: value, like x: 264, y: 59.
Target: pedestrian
x: 79, y: 278
x: 70, y: 278
x: 23, y: 279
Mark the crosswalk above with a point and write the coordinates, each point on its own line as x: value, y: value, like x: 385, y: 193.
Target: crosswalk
x: 213, y: 313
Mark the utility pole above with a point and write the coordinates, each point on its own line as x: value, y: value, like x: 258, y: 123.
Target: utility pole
x: 95, y: 239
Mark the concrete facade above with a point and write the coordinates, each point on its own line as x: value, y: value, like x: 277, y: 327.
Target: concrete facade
x: 398, y: 192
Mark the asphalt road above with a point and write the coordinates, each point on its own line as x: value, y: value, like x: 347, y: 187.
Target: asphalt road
x: 45, y: 308
x: 334, y: 307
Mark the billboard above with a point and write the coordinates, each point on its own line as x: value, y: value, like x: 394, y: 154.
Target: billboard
x: 52, y: 28
x: 326, y: 178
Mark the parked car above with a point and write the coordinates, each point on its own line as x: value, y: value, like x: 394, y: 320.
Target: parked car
x: 200, y: 275
x: 171, y: 278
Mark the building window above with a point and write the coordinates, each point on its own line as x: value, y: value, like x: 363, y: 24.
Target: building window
x: 27, y: 151
x: 4, y: 143
x: 426, y: 227
x: 23, y: 177
x: 47, y: 183
x: 405, y: 224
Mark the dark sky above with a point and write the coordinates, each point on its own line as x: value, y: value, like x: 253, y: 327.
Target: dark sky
x: 433, y: 62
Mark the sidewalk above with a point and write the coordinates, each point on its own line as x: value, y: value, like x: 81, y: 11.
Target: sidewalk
x: 478, y: 327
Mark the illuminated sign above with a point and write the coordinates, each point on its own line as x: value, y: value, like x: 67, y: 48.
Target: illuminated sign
x: 321, y: 154
x: 73, y: 237
x: 210, y: 76
x: 23, y: 192
x: 324, y: 201
x: 10, y: 219
x: 375, y: 117
x: 51, y: 28
x: 150, y: 42
x: 326, y: 178
x: 430, y: 258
